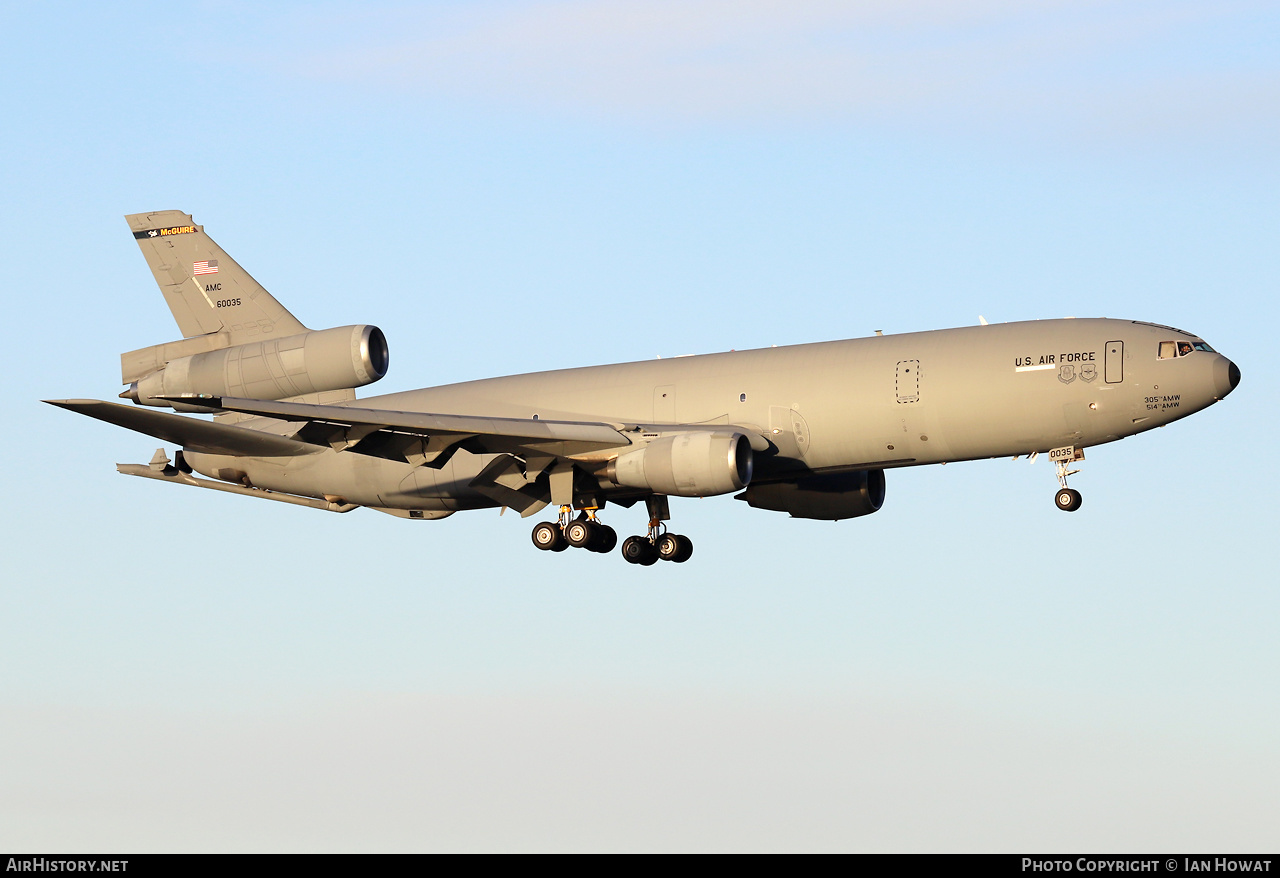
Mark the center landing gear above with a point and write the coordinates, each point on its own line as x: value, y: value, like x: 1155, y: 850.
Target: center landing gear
x: 583, y: 532
x: 657, y: 544
x: 1067, y: 499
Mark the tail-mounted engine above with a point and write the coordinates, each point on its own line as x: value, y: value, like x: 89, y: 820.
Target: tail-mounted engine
x: 276, y: 368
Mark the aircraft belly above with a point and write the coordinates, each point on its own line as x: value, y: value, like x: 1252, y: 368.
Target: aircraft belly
x: 448, y: 487
x: 356, y: 478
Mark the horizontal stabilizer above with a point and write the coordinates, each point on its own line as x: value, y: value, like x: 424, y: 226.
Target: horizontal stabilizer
x: 189, y: 432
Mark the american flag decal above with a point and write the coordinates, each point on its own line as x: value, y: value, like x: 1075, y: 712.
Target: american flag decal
x: 209, y: 266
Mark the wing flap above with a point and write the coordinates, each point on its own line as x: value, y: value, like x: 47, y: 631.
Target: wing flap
x: 189, y: 432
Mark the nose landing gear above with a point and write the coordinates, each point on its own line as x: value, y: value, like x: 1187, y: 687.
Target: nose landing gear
x: 1067, y: 499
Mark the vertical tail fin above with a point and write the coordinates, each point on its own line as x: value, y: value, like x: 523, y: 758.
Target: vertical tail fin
x: 211, y: 297
x: 206, y: 289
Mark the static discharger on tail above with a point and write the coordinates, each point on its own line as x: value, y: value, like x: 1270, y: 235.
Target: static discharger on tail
x: 808, y: 430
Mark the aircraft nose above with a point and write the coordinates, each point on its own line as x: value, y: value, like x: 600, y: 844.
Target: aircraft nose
x: 1226, y: 375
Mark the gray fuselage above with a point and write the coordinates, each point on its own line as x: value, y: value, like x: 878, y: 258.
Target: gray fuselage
x: 868, y: 403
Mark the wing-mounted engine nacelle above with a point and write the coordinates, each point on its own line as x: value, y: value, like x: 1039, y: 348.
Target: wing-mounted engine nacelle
x: 693, y: 464
x: 275, y: 368
x: 825, y: 498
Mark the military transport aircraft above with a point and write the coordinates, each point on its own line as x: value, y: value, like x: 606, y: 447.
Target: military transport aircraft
x: 808, y: 429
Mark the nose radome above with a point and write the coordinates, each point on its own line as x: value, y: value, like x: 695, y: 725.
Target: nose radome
x: 1226, y: 375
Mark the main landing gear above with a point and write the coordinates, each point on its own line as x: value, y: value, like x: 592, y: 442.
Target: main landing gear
x: 657, y: 544
x: 586, y: 532
x: 583, y: 532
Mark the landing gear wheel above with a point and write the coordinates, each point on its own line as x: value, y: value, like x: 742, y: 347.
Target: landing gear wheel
x: 606, y: 539
x: 674, y: 547
x: 667, y: 547
x: 547, y: 536
x: 581, y: 534
x: 638, y: 550
x: 1068, y: 500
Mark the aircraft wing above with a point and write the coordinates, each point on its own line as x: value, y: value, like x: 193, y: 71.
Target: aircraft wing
x: 534, y: 460
x: 426, y: 438
x: 193, y: 433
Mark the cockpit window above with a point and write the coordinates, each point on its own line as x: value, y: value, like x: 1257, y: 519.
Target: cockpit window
x: 1171, y: 349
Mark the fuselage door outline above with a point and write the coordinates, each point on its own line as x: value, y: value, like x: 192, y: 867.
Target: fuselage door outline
x: 907, y: 384
x: 1115, y: 362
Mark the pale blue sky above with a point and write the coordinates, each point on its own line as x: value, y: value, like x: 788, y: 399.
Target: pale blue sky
x: 506, y: 187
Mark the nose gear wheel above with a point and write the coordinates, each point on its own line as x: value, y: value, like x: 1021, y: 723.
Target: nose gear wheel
x: 1068, y: 499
